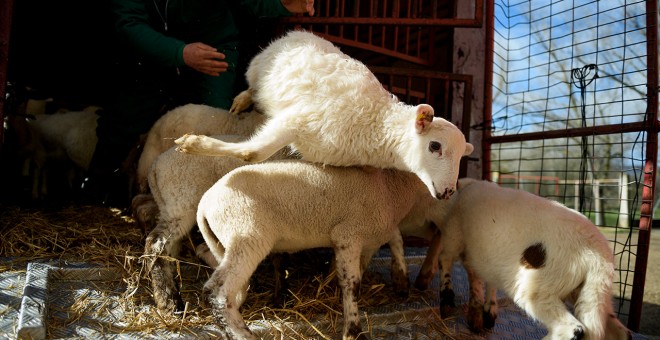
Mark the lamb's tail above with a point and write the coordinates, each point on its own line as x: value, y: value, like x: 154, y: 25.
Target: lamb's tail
x: 593, y: 304
x: 211, y: 251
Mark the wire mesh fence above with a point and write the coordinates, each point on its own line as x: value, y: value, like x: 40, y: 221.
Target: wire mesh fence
x: 574, y: 117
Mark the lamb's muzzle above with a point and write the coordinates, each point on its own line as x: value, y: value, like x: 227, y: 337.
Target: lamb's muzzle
x: 445, y: 195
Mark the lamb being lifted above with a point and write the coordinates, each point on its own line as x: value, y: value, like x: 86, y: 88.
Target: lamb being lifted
x: 332, y: 110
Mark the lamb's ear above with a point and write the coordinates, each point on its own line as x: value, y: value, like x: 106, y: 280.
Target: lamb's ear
x: 468, y: 149
x: 424, y: 117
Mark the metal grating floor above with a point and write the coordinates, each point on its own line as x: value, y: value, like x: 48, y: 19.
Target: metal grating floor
x: 35, y: 299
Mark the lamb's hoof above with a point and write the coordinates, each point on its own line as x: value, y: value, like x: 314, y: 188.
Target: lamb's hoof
x: 489, y: 320
x: 181, y: 140
x: 355, y: 332
x: 280, y: 298
x: 447, y: 304
x: 578, y: 333
x: 241, y: 103
x: 423, y: 281
x: 180, y: 306
x: 187, y: 142
x: 401, y: 283
x: 475, y: 321
x: 402, y: 292
x: 248, y: 156
x: 171, y: 304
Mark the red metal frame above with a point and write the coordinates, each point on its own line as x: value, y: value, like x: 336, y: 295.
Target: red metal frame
x: 6, y: 9
x: 408, y: 30
x: 646, y: 210
x: 650, y: 126
x: 387, y: 12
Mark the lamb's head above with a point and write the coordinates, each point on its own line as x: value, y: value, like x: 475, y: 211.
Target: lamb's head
x: 438, y: 146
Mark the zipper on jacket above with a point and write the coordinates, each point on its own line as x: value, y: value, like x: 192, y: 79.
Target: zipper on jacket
x: 162, y: 17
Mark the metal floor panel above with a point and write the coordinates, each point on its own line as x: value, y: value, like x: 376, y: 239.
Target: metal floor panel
x: 33, y: 301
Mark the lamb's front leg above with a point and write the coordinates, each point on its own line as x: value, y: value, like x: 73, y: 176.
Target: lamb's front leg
x: 348, y: 272
x: 273, y: 136
x: 476, y: 306
x: 430, y: 265
x: 447, y: 295
x: 399, y: 268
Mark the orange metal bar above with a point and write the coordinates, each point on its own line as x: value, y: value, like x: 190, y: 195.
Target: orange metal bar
x: 646, y: 209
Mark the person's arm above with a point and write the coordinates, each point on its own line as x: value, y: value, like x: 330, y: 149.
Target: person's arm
x: 133, y: 26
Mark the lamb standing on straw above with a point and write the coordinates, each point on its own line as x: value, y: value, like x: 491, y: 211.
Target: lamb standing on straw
x: 332, y: 110
x: 288, y: 206
x: 538, y: 251
x: 177, y: 198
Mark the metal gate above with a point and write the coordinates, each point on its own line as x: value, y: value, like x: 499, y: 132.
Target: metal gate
x: 573, y: 117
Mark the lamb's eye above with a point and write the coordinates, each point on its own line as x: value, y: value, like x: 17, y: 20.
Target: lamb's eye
x: 435, y: 146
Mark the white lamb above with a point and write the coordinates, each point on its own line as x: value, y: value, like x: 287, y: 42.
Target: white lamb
x: 59, y: 137
x: 177, y: 192
x: 189, y: 118
x: 538, y: 251
x: 288, y: 206
x: 332, y: 110
x: 176, y: 122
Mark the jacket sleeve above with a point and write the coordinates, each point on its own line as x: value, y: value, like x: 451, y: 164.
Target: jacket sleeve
x: 266, y: 8
x: 132, y: 26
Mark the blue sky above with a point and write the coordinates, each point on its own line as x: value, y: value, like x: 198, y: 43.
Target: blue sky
x: 538, y: 43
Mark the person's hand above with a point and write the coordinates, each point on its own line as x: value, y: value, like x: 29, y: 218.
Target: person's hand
x: 204, y: 58
x: 299, y: 6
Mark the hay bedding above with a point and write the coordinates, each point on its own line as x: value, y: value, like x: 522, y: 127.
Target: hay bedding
x: 109, y: 238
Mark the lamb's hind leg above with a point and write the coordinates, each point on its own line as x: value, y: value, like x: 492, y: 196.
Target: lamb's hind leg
x: 273, y: 136
x: 164, y: 241
x: 348, y: 273
x: 552, y: 312
x: 490, y: 306
x: 226, y: 284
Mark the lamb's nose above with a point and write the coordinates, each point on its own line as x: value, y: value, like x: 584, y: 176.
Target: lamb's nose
x: 445, y: 195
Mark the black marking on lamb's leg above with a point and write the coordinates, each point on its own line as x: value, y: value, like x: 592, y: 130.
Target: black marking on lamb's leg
x: 352, y: 328
x: 356, y: 289
x: 490, y: 308
x: 578, y: 333
x: 446, y: 281
x: 534, y: 256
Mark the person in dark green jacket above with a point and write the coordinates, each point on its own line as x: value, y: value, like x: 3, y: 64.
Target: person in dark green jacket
x: 170, y: 53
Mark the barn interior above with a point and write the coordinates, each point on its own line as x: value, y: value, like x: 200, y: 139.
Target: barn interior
x: 576, y: 125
